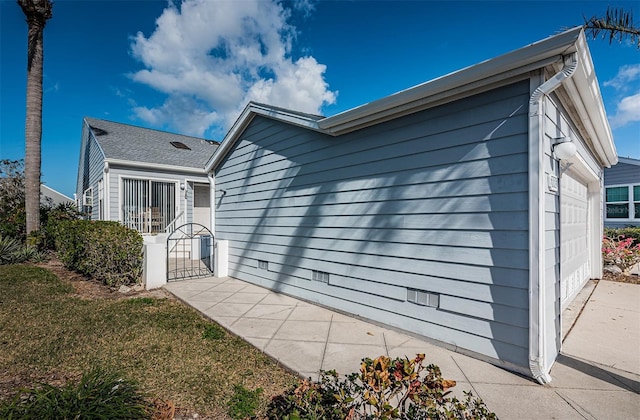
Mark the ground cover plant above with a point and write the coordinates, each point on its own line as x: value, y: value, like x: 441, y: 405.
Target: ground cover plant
x: 384, y: 389
x: 55, y: 328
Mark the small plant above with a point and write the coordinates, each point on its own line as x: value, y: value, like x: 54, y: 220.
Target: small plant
x: 244, y: 402
x: 385, y: 388
x: 13, y: 252
x: 99, y: 394
x: 213, y: 332
x: 620, y: 251
x: 8, y: 248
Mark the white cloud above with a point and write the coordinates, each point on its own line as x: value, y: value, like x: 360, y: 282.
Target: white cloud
x: 627, y: 111
x: 626, y: 75
x: 212, y: 57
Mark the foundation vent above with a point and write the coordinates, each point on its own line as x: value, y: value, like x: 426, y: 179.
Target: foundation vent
x: 321, y: 276
x: 423, y: 298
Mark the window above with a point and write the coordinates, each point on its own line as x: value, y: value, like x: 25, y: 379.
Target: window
x: 623, y: 202
x: 148, y: 206
x: 87, y: 197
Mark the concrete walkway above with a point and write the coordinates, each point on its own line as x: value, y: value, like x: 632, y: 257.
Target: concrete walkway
x: 596, y: 377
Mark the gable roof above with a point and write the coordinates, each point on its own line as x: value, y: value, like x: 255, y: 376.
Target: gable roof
x: 56, y: 197
x: 128, y: 144
x: 582, y: 88
x: 629, y: 161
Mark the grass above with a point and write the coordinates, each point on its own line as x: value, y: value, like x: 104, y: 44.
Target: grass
x: 167, y: 348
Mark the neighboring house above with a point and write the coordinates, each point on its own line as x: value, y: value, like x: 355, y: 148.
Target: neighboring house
x: 622, y: 193
x: 146, y: 179
x: 454, y: 209
x: 51, y: 197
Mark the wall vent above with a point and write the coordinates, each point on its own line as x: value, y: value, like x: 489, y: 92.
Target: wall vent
x: 263, y: 265
x: 423, y: 298
x: 321, y: 276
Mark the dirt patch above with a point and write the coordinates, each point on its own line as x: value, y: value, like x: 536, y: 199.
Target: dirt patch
x: 622, y: 278
x: 86, y: 288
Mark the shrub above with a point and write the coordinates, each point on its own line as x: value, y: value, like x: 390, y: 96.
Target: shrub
x: 627, y: 232
x: 244, y: 402
x: 98, y: 394
x: 385, y: 388
x: 620, y: 251
x: 106, y: 251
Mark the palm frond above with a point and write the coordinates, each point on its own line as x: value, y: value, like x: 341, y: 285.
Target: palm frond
x: 617, y: 25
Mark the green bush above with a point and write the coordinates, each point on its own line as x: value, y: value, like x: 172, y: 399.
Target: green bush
x: 106, y: 251
x: 98, y: 395
x: 385, y: 388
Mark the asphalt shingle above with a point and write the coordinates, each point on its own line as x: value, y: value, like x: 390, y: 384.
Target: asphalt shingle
x: 138, y: 144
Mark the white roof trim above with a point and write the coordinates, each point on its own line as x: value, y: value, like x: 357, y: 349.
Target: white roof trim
x: 149, y: 165
x: 251, y: 110
x: 583, y: 89
x: 554, y: 46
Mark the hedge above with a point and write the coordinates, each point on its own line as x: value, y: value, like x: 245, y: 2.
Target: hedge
x: 106, y: 251
x: 627, y: 232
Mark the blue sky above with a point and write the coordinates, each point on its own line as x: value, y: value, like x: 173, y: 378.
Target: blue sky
x: 190, y: 68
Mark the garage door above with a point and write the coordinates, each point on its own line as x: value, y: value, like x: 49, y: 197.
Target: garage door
x: 574, y: 238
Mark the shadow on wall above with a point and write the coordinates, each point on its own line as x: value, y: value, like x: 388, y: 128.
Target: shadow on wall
x: 436, y: 201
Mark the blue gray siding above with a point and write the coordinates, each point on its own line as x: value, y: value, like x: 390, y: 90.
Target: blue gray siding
x: 621, y: 174
x: 90, y: 168
x: 117, y: 173
x: 436, y: 201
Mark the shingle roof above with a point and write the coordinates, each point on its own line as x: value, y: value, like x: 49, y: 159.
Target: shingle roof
x: 138, y: 144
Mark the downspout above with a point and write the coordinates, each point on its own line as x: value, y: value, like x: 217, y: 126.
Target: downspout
x: 537, y: 292
x: 212, y: 203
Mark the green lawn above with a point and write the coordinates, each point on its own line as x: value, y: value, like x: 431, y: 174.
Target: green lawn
x: 48, y: 333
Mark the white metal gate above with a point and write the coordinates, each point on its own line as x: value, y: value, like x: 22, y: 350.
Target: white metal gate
x: 574, y: 234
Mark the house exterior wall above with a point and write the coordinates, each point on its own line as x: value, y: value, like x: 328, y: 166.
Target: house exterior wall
x: 117, y: 173
x: 558, y: 124
x: 436, y: 202
x: 90, y: 170
x: 622, y: 174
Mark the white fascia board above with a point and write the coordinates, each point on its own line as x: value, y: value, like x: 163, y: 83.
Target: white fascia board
x: 156, y: 166
x: 584, y: 91
x: 251, y: 110
x: 402, y: 102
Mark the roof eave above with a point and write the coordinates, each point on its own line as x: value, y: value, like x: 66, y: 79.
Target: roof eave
x: 522, y: 59
x: 150, y: 165
x: 250, y: 111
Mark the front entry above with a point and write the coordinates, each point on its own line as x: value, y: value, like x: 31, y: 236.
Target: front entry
x: 189, y: 252
x: 202, y: 205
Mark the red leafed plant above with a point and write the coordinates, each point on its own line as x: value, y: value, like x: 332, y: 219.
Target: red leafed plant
x: 620, y: 251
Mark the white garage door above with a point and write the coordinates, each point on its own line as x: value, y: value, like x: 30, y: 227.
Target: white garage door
x: 574, y: 237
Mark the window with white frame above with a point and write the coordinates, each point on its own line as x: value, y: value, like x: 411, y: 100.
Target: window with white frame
x: 623, y: 202
x: 87, y: 197
x: 148, y: 206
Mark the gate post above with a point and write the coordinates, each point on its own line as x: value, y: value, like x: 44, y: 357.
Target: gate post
x: 154, y: 272
x: 221, y: 265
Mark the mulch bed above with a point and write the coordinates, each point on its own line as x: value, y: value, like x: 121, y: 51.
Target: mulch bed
x: 622, y: 278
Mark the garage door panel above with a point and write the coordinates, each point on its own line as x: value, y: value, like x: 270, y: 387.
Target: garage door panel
x: 574, y: 249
